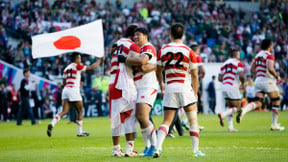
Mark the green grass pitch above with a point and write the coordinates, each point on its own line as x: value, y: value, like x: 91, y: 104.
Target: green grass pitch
x: 253, y: 142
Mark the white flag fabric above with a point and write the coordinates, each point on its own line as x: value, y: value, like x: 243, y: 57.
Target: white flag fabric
x: 86, y: 39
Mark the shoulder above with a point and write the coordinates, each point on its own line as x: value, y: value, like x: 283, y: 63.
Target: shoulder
x: 135, y: 47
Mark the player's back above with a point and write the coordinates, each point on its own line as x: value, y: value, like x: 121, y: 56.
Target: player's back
x: 177, y: 60
x: 229, y: 71
x: 261, y: 65
x: 127, y: 48
x: 72, y: 74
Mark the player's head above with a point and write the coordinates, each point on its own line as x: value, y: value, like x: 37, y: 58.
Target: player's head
x: 176, y: 31
x: 141, y: 36
x: 235, y: 53
x: 26, y: 73
x: 75, y: 57
x: 129, y: 33
x: 195, y: 48
x: 267, y: 45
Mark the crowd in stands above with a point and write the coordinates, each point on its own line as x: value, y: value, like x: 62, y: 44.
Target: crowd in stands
x: 216, y: 27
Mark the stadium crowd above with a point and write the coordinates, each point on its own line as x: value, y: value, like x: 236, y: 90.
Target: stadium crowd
x: 215, y: 27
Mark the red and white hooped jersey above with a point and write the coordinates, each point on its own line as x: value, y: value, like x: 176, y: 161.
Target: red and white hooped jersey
x: 261, y: 65
x: 177, y: 60
x: 147, y: 80
x: 127, y: 48
x: 229, y: 71
x: 72, y: 74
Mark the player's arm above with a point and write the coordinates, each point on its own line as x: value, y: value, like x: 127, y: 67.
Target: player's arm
x: 140, y: 60
x: 113, y: 49
x: 194, y: 79
x: 220, y: 77
x: 202, y: 71
x: 95, y: 65
x: 148, y: 68
x: 253, y: 67
x: 160, y: 78
x: 271, y: 69
x: 64, y: 81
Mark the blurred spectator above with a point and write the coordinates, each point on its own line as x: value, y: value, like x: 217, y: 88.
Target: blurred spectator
x: 95, y: 97
x: 212, y: 95
x: 249, y: 90
x: 284, y: 104
x: 37, y: 98
x: 13, y: 98
x: 47, y: 112
x: 57, y: 97
x: 25, y: 87
x: 3, y: 102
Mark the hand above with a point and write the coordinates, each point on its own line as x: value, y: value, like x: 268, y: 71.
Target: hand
x: 162, y: 87
x: 102, y: 59
x: 122, y: 59
x: 278, y: 78
x: 241, y: 87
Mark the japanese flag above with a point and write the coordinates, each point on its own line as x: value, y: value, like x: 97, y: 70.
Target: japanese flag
x: 86, y: 39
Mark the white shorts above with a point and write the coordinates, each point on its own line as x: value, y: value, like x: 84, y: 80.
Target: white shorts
x: 231, y: 92
x: 147, y: 96
x: 72, y: 94
x: 123, y: 119
x: 177, y: 100
x: 265, y: 85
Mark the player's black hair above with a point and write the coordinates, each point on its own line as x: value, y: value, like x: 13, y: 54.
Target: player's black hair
x: 143, y: 31
x: 177, y: 31
x: 194, y: 47
x: 266, y: 43
x: 130, y: 31
x: 25, y: 71
x: 74, y: 55
x: 233, y: 51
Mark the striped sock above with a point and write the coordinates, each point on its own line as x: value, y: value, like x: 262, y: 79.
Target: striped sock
x: 162, y: 133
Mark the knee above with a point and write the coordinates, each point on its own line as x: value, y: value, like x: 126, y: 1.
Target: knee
x: 140, y: 116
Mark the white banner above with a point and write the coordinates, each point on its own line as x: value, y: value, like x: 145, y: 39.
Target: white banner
x: 86, y: 39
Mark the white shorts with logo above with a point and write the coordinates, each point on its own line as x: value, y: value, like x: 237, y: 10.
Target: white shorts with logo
x: 147, y: 96
x: 123, y: 119
x: 179, y: 99
x: 265, y: 85
x: 231, y: 92
x: 72, y: 94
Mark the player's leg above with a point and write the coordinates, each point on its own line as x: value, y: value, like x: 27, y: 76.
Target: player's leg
x: 259, y: 98
x: 79, y: 108
x: 163, y: 129
x: 65, y: 110
x: 130, y: 126
x: 224, y: 114
x: 191, y: 112
x: 234, y: 106
x: 275, y: 99
x: 145, y: 101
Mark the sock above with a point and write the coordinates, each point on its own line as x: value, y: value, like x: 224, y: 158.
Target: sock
x: 79, y: 126
x: 162, y: 133
x: 251, y: 106
x: 230, y: 122
x: 229, y: 111
x: 129, y: 147
x: 152, y: 134
x: 116, y: 148
x: 275, y: 110
x: 55, y: 120
x: 194, y: 129
x: 145, y: 137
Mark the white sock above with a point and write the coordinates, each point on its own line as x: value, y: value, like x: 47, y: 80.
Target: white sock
x: 162, y: 133
x: 194, y: 133
x: 55, y: 120
x: 129, y: 146
x: 116, y: 148
x: 251, y: 106
x: 275, y: 111
x: 228, y: 112
x: 230, y: 122
x: 152, y: 134
x: 145, y: 137
x: 79, y: 126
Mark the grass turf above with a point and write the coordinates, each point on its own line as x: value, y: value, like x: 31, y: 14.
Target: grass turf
x: 253, y: 142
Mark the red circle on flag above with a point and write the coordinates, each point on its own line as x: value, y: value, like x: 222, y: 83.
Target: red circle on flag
x: 67, y: 42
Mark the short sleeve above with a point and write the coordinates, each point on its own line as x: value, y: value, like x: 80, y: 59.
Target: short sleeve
x: 149, y: 50
x: 81, y: 68
x: 271, y: 57
x: 193, y: 60
x: 199, y: 61
x: 240, y: 67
